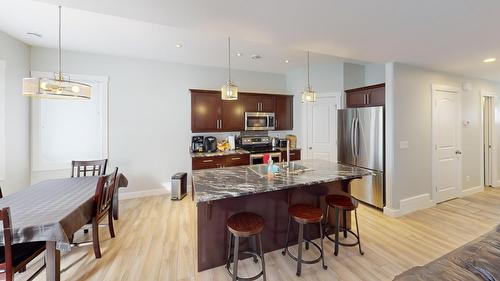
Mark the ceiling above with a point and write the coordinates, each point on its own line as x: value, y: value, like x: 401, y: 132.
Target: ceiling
x: 448, y: 35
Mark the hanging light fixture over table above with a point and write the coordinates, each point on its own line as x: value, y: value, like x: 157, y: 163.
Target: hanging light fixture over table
x: 59, y: 87
x: 308, y: 95
x: 229, y: 91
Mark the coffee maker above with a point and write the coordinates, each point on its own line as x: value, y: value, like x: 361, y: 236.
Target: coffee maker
x: 197, y: 144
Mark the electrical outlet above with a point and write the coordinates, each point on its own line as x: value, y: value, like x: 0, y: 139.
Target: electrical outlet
x: 403, y: 144
x: 467, y: 178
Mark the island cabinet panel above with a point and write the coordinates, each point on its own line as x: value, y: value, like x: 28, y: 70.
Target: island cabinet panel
x: 206, y: 112
x: 200, y: 163
x: 373, y: 95
x: 237, y: 160
x: 284, y: 113
x: 294, y: 155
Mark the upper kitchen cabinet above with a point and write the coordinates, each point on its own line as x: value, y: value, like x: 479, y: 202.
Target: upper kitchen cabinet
x: 209, y: 113
x: 284, y: 113
x: 206, y: 111
x: 257, y: 102
x: 366, y: 96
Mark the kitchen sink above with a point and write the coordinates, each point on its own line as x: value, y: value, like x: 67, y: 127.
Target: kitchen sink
x: 280, y: 169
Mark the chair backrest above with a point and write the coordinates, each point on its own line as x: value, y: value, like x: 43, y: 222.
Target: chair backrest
x: 7, y: 234
x: 88, y: 168
x: 104, y: 192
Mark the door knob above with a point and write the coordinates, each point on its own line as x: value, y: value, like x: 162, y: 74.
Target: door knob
x: 458, y: 152
x: 310, y: 148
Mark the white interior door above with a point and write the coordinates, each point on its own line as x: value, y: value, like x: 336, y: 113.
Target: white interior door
x: 446, y: 140
x: 322, y: 128
x: 489, y: 139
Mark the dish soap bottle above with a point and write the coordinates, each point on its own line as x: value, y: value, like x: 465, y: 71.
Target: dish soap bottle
x: 270, y: 168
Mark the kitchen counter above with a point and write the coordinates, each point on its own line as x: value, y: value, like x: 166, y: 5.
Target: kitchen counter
x: 219, y: 153
x: 221, y: 193
x: 216, y: 184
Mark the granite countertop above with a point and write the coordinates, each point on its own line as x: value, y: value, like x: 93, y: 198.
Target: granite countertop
x: 219, y: 153
x: 216, y: 184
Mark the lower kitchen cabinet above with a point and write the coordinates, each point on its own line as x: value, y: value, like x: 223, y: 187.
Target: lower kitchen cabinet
x: 211, y: 162
x: 294, y: 155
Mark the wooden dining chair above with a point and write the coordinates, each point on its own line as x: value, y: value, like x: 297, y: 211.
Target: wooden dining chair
x: 103, y: 201
x: 88, y: 168
x: 15, y: 257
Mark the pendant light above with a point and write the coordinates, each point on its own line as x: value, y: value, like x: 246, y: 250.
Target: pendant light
x: 308, y: 95
x: 60, y: 87
x: 229, y: 91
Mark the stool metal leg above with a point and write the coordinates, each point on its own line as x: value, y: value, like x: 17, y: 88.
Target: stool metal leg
x: 230, y: 243
x: 299, y: 245
x: 357, y: 231
x: 254, y: 246
x: 259, y: 236
x: 307, y: 237
x: 344, y: 222
x: 337, y: 227
x: 287, y: 236
x: 322, y: 249
x: 236, y: 257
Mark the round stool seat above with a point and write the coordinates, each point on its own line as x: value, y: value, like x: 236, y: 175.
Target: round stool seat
x: 343, y: 202
x: 305, y: 213
x: 245, y: 224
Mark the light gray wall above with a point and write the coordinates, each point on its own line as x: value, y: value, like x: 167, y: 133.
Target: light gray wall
x: 374, y: 73
x: 17, y: 57
x: 149, y: 108
x: 412, y: 107
x: 325, y: 78
x: 354, y: 76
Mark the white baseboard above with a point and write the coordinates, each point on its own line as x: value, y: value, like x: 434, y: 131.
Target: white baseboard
x: 472, y: 190
x: 409, y: 205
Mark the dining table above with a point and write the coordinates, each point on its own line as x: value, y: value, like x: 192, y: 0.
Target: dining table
x: 52, y: 211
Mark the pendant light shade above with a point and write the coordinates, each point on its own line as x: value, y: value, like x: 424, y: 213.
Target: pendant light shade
x: 308, y: 95
x: 59, y: 87
x: 229, y: 91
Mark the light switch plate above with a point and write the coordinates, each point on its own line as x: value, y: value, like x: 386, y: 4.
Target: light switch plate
x: 403, y: 144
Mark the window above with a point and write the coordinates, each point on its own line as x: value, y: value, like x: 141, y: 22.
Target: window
x: 65, y: 130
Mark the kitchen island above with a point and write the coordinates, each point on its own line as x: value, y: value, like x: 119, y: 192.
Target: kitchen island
x: 220, y: 193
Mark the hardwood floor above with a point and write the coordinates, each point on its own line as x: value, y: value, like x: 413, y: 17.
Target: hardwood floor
x: 155, y: 241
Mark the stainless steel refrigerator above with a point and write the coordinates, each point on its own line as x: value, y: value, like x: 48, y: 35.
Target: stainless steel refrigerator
x: 361, y: 144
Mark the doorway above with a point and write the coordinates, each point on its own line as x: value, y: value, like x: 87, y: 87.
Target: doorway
x: 489, y: 159
x: 321, y: 125
x: 446, y: 141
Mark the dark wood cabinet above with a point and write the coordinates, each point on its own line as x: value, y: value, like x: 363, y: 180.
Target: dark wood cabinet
x: 366, y: 96
x: 257, y: 102
x: 211, y: 162
x: 284, y: 113
x: 199, y: 163
x: 205, y: 112
x: 294, y: 155
x: 209, y: 113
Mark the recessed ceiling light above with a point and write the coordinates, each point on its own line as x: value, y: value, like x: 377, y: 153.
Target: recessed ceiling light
x: 256, y: 57
x: 34, y: 34
x: 178, y: 45
x: 287, y: 61
x: 238, y: 54
x: 489, y: 60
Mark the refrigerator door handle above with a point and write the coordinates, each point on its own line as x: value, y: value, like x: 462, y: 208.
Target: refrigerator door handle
x: 355, y: 138
x: 352, y: 139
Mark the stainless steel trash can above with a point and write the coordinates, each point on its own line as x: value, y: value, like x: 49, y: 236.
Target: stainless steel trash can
x: 179, y: 186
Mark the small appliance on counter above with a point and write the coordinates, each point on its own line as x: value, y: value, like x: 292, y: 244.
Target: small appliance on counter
x: 293, y: 141
x: 210, y: 144
x: 197, y: 144
x: 179, y: 186
x: 232, y: 142
x: 282, y: 143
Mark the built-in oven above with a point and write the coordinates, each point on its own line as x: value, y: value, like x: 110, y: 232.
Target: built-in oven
x: 259, y: 121
x: 258, y: 158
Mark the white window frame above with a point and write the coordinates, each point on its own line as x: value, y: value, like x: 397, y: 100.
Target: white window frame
x: 37, y: 164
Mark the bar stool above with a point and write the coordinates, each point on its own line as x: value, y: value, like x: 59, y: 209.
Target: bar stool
x: 344, y: 203
x: 245, y: 225
x: 304, y: 215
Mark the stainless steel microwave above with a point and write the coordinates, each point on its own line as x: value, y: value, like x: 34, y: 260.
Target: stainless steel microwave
x: 259, y: 121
